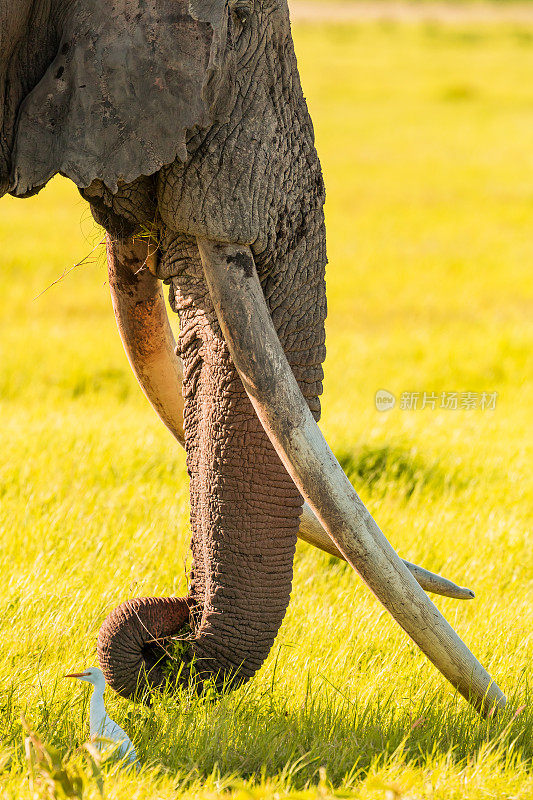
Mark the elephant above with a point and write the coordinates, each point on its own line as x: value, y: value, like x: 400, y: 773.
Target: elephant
x: 184, y: 125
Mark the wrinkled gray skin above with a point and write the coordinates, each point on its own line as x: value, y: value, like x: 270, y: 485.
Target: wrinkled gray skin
x: 183, y: 121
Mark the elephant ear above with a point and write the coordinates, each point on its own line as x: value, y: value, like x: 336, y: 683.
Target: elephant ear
x: 131, y: 79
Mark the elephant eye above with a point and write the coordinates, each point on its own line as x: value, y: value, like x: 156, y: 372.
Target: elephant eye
x: 241, y: 10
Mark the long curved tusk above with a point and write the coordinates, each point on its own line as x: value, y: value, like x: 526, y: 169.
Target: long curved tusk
x: 147, y: 337
x: 270, y: 384
x: 144, y: 328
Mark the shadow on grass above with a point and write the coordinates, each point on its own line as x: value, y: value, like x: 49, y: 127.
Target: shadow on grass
x: 380, y: 470
x: 263, y: 736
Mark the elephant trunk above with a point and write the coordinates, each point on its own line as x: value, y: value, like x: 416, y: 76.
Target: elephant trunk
x: 134, y: 640
x: 244, y: 506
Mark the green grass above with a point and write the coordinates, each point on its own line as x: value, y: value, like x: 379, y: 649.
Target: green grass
x: 425, y: 138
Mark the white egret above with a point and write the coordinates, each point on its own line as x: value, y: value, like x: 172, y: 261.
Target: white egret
x: 103, y: 728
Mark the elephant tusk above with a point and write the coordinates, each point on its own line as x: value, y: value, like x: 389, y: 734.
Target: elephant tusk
x: 145, y: 330
x: 272, y: 388
x: 147, y: 337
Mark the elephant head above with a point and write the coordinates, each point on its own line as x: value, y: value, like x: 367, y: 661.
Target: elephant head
x: 185, y: 127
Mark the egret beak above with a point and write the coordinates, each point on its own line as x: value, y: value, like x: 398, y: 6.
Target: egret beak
x: 76, y: 675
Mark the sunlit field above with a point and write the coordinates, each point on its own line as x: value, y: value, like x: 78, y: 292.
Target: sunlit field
x: 425, y: 135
